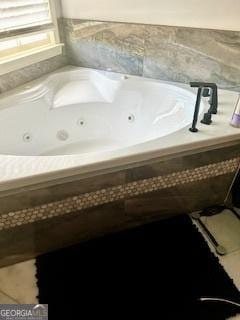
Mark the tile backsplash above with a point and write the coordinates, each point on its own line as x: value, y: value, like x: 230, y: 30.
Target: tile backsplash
x: 19, y: 77
x: 162, y: 52
x: 103, y: 45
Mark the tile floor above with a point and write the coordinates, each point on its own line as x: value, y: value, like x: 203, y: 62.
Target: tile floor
x: 18, y: 282
x: 230, y: 262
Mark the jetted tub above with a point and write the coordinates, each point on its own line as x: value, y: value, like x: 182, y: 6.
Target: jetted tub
x: 72, y: 113
x: 80, y: 121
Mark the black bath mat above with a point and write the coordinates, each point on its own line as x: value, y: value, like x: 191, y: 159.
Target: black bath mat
x: 160, y: 269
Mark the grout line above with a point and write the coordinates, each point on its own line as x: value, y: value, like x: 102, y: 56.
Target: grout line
x: 8, y: 296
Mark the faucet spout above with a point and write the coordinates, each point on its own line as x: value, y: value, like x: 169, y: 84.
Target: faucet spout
x: 196, y: 110
x: 214, y: 100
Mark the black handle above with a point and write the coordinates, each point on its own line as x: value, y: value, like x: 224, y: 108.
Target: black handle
x: 207, y: 118
x: 206, y: 92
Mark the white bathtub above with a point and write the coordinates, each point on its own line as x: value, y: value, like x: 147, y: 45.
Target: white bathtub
x: 139, y: 111
x: 122, y: 120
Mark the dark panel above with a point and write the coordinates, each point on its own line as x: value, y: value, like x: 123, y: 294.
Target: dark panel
x: 23, y: 243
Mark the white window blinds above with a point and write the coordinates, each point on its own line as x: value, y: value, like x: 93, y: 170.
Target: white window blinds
x: 21, y: 16
x: 28, y: 33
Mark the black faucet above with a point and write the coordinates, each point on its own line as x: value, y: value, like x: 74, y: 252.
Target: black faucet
x: 208, y: 87
x: 205, y: 89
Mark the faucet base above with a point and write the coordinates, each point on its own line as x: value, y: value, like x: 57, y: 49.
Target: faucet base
x: 193, y: 129
x: 207, y: 118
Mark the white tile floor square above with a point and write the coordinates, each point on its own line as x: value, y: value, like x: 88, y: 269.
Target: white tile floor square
x: 230, y: 262
x: 18, y: 282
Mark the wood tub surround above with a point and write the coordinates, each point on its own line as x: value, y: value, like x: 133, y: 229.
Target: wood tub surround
x: 37, y: 221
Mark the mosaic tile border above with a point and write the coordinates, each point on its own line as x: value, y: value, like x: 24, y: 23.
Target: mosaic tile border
x: 115, y: 193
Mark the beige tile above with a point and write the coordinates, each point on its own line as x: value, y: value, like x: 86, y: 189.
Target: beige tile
x: 231, y: 264
x: 225, y: 227
x: 19, y: 282
x: 4, y: 299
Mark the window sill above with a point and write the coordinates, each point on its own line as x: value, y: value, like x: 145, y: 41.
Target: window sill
x: 26, y: 59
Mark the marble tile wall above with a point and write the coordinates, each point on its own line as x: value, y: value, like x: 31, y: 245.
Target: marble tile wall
x: 162, y: 52
x: 19, y: 77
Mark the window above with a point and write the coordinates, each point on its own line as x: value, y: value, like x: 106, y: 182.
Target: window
x: 28, y: 33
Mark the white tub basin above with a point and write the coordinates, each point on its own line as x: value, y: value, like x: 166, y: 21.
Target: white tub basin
x: 131, y: 121
x: 87, y: 111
